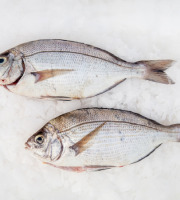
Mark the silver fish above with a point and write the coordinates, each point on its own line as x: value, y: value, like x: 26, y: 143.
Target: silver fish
x: 65, y: 70
x: 97, y: 139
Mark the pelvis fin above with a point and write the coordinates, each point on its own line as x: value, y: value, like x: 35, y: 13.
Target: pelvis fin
x: 83, y: 168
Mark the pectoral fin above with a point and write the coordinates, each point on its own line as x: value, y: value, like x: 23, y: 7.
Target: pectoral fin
x: 83, y: 144
x: 45, y: 74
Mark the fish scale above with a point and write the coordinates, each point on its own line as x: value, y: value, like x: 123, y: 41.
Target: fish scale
x: 87, y: 72
x: 77, y: 117
x: 91, y: 139
x: 107, y: 143
x: 66, y: 70
x: 74, y: 61
x: 68, y: 46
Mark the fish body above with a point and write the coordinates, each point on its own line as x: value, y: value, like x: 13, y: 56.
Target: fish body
x: 95, y: 139
x: 66, y: 70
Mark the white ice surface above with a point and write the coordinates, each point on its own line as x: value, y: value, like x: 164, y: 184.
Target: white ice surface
x: 133, y: 30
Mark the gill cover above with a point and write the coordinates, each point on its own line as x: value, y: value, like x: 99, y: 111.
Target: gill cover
x: 56, y: 148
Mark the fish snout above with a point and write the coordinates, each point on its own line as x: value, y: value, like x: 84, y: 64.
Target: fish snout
x: 27, y: 146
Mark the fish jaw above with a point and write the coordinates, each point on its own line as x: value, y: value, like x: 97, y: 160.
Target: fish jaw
x: 112, y: 145
x: 12, y: 70
x: 14, y: 74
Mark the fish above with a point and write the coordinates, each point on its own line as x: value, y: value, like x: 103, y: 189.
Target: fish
x: 66, y: 70
x: 95, y: 139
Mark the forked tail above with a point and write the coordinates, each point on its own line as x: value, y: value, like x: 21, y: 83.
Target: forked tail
x: 155, y: 70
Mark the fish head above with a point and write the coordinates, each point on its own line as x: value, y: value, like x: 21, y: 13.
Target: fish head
x: 45, y: 145
x: 11, y: 67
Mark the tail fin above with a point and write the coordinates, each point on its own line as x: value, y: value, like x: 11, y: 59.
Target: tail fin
x: 155, y: 70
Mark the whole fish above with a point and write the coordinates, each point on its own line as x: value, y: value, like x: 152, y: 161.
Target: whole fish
x: 66, y: 70
x: 97, y: 139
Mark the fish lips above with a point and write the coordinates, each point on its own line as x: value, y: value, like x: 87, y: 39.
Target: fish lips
x: 5, y: 76
x: 5, y: 79
x: 27, y: 146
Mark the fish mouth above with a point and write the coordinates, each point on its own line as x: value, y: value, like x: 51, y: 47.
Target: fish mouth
x: 5, y: 76
x: 27, y: 146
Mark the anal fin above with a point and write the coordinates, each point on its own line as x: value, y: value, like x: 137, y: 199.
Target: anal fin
x: 147, y: 154
x: 58, y: 98
x: 106, y: 90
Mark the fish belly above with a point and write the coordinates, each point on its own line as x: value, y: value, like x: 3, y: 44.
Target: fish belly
x: 86, y: 75
x: 116, y: 144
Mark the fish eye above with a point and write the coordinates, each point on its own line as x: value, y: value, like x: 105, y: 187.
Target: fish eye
x: 39, y: 139
x: 3, y: 60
